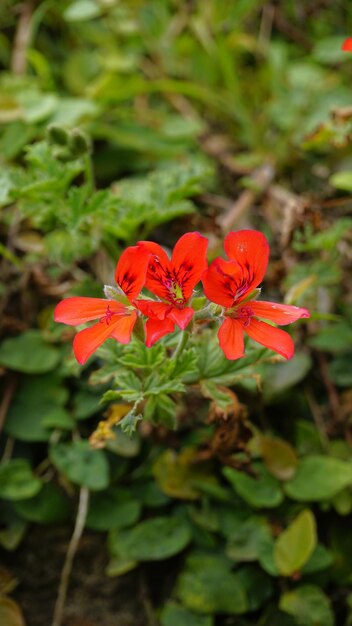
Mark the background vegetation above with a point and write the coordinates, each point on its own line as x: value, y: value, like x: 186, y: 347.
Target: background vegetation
x: 126, y: 120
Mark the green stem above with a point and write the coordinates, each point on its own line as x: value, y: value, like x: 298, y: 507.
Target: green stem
x: 181, y: 345
x: 89, y: 172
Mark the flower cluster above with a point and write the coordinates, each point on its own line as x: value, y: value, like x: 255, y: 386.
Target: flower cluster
x: 231, y: 284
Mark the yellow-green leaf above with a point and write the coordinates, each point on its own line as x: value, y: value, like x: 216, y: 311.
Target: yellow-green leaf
x: 279, y: 457
x: 295, y: 545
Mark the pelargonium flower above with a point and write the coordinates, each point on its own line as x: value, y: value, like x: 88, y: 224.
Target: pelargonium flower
x: 173, y: 281
x: 231, y: 284
x: 347, y: 45
x: 116, y: 319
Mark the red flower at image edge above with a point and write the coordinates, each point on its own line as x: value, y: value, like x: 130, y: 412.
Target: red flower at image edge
x: 115, y: 319
x: 173, y: 282
x: 230, y: 283
x: 347, y: 45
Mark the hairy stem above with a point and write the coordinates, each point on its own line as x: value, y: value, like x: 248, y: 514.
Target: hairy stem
x: 181, y: 345
x: 71, y: 552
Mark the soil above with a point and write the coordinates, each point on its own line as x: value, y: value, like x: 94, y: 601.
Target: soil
x: 93, y: 598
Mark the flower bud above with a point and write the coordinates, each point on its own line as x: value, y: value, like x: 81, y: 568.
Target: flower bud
x: 79, y: 143
x: 115, y: 293
x: 58, y: 135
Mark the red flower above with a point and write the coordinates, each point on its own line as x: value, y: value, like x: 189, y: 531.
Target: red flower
x: 115, y: 319
x: 347, y: 45
x: 173, y: 282
x: 230, y: 283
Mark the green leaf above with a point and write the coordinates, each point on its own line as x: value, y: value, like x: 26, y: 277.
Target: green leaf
x: 58, y: 418
x: 17, y: 480
x: 245, y: 541
x: 29, y: 353
x: 282, y: 376
x: 152, y: 540
x: 118, y: 566
x: 13, y: 528
x: 256, y: 584
x: 113, y: 508
x: 207, y: 585
x: 296, y: 544
x: 82, y: 10
x: 81, y: 464
x: 161, y: 409
x: 308, y: 605
x: 49, y: 506
x: 319, y: 478
x: 10, y: 613
x: 262, y: 491
x: 129, y: 422
x: 34, y: 407
x: 213, y: 365
x: 85, y: 404
x: 279, y: 457
x: 174, y: 615
x: 342, y: 180
x: 320, y: 560
x: 178, y: 475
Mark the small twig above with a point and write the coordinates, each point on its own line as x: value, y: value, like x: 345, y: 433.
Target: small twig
x: 22, y: 39
x: 6, y: 400
x: 148, y: 607
x: 262, y: 178
x: 291, y: 207
x: 318, y: 419
x: 266, y: 26
x: 70, y: 555
x: 8, y: 450
x: 333, y: 396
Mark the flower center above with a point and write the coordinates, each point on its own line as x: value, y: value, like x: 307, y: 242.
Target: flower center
x: 176, y: 294
x: 244, y: 313
x: 107, y: 317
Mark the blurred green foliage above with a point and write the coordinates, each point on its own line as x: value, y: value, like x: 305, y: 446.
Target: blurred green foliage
x: 126, y: 120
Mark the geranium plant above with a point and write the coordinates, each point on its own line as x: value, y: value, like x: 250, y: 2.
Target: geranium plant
x: 231, y: 291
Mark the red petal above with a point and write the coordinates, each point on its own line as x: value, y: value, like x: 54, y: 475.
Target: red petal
x: 156, y: 310
x: 347, y: 45
x: 123, y: 328
x: 189, y: 261
x: 270, y: 337
x: 155, y: 329
x: 218, y: 282
x: 131, y: 271
x: 250, y: 249
x: 181, y: 317
x: 159, y: 269
x: 230, y: 336
x: 281, y: 314
x: 89, y: 339
x: 76, y: 311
